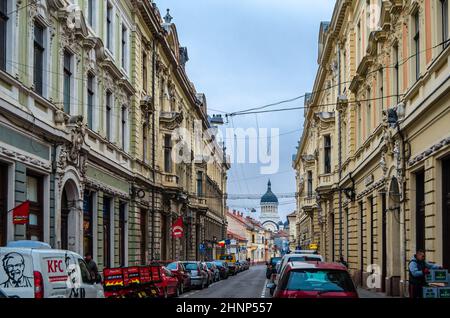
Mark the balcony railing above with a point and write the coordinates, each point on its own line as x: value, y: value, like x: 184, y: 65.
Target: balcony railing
x: 170, y: 180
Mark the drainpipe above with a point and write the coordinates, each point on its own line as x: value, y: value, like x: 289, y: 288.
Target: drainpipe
x: 153, y: 149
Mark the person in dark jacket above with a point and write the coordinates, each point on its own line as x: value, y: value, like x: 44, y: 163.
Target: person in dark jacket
x: 418, y: 269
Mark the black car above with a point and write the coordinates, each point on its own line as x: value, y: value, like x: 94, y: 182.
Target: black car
x: 223, y: 269
x: 271, y: 266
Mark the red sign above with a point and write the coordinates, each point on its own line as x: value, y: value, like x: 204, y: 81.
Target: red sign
x: 21, y: 213
x: 177, y: 228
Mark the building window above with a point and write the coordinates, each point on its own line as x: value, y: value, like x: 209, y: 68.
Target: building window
x: 3, y: 33
x: 396, y: 71
x: 359, y: 115
x: 88, y: 209
x: 67, y: 81
x: 90, y: 12
x: 369, y: 114
x: 380, y: 94
x: 124, y: 126
x: 90, y: 101
x: 144, y: 71
x: 35, y: 196
x: 107, y: 231
x: 168, y: 153
x: 310, y: 184
x: 416, y: 41
x: 144, y: 231
x: 327, y: 154
x: 109, y: 26
x: 443, y: 4
x: 200, y: 183
x: 144, y: 142
x: 39, y: 49
x: 108, y: 116
x: 122, y: 237
x: 359, y: 43
x: 3, y: 203
x: 124, y: 47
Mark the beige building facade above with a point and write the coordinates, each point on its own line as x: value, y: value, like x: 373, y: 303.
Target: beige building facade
x: 372, y: 165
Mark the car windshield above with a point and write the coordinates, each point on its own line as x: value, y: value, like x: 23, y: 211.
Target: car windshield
x: 274, y: 260
x: 319, y: 280
x: 191, y: 266
x: 172, y: 266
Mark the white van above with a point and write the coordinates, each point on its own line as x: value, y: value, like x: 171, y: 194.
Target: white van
x: 30, y: 269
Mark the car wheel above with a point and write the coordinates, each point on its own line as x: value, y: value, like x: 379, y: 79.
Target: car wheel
x: 166, y: 295
x: 182, y: 288
x: 178, y: 292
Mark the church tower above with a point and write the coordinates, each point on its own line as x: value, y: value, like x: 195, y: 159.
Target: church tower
x: 269, y: 210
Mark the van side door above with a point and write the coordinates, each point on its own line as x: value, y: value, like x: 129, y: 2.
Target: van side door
x: 91, y: 288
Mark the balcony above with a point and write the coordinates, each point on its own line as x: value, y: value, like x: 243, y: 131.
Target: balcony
x: 325, y: 182
x: 170, y: 120
x: 170, y: 181
x: 309, y: 203
x: 198, y: 203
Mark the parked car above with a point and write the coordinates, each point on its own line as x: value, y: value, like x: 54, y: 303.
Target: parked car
x: 43, y: 272
x: 271, y: 266
x: 246, y: 265
x: 2, y: 294
x: 288, y: 258
x: 209, y: 272
x: 199, y: 278
x: 184, y: 278
x: 169, y: 286
x: 314, y: 280
x: 223, y: 269
x: 232, y: 268
x: 239, y: 266
x: 216, y: 274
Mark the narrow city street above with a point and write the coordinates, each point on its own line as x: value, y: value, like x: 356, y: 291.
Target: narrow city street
x: 248, y: 284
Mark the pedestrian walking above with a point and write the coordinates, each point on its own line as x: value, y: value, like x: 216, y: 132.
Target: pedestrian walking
x: 418, y: 269
x: 92, y: 266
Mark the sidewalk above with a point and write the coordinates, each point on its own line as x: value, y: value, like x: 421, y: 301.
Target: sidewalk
x: 365, y: 293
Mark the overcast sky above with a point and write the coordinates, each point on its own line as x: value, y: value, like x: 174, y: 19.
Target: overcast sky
x: 248, y: 53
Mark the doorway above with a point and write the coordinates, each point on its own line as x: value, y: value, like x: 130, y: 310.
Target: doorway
x: 420, y: 210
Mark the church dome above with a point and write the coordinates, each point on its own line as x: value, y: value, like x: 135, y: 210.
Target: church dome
x: 269, y: 196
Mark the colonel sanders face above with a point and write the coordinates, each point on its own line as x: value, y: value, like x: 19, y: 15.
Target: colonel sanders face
x: 14, y: 265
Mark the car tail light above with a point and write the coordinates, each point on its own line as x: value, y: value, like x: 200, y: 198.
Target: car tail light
x: 38, y: 285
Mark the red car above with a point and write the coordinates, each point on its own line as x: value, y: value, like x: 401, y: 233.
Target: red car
x: 168, y: 287
x: 314, y: 280
x: 184, y: 278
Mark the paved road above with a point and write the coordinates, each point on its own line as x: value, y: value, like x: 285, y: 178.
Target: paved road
x: 247, y: 284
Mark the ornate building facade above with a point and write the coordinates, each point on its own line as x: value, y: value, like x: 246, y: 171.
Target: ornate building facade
x: 372, y: 163
x: 269, y: 210
x: 91, y: 96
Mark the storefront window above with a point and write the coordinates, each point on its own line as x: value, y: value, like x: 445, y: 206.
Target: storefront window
x: 35, y: 196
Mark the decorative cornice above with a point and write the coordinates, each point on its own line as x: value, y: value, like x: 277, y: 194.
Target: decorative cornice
x: 430, y: 151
